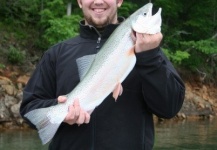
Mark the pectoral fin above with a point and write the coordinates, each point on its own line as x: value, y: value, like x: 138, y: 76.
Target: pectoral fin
x: 84, y: 64
x: 117, y: 91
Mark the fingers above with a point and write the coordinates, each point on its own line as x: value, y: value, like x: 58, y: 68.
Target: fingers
x: 76, y: 115
x: 83, y: 118
x: 87, y: 117
x: 155, y: 38
x: 77, y: 108
x: 146, y: 42
x: 72, y: 115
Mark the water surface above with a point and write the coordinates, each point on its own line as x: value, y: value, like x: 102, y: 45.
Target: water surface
x: 170, y: 135
x: 187, y: 135
x: 20, y: 140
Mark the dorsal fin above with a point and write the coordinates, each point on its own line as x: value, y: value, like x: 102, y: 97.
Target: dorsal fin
x: 84, y: 64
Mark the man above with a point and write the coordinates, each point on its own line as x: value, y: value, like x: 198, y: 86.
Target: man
x: 152, y: 87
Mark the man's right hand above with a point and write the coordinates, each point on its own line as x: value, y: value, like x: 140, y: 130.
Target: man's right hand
x: 75, y: 113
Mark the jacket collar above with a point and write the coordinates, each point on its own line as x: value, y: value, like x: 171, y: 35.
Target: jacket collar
x: 90, y: 32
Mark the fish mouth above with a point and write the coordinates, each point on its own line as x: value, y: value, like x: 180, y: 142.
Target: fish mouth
x: 134, y: 33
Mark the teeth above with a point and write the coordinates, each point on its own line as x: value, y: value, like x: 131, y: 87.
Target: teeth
x: 98, y: 10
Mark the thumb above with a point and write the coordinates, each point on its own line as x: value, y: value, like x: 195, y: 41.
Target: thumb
x: 61, y: 99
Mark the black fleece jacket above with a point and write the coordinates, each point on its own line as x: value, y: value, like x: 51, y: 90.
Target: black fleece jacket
x: 152, y: 87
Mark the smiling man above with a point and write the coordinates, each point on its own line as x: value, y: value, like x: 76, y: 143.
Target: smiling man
x: 100, y: 13
x: 152, y: 87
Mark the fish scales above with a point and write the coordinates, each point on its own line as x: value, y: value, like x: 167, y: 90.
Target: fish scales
x: 110, y: 67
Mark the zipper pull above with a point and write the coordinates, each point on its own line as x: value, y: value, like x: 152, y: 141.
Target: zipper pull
x: 98, y: 43
x: 99, y: 39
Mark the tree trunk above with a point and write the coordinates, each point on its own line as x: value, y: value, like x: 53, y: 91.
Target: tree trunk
x: 69, y: 8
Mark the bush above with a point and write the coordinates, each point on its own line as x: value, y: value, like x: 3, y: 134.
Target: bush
x: 2, y: 66
x: 176, y: 57
x: 61, y: 29
x: 15, y: 55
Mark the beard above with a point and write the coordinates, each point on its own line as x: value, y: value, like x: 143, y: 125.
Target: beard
x: 99, y: 23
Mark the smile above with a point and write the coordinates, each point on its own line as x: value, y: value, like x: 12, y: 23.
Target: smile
x: 99, y: 10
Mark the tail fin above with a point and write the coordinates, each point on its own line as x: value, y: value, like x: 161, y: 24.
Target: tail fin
x: 43, y: 120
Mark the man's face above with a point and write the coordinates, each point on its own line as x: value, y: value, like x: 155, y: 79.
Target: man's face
x: 100, y: 13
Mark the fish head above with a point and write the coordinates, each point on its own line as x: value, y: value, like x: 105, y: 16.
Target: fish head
x: 144, y: 22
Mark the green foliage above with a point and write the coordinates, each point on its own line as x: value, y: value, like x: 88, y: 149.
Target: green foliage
x: 200, y: 19
x: 127, y: 9
x: 19, y: 12
x: 200, y: 51
x: 61, y: 29
x: 187, y: 27
x: 54, y: 23
x: 207, y: 47
x: 51, y: 10
x: 176, y: 57
x: 15, y: 55
x: 2, y: 66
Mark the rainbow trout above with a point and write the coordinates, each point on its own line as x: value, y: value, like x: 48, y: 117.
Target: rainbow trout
x: 102, y: 76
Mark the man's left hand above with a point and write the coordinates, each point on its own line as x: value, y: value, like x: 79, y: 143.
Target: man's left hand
x: 145, y: 42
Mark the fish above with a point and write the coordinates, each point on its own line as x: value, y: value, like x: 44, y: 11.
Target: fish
x: 100, y: 74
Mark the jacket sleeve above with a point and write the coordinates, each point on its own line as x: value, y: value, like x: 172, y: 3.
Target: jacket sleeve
x: 163, y: 89
x: 40, y: 89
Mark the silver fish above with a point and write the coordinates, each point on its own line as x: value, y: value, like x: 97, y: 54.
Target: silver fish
x: 111, y: 65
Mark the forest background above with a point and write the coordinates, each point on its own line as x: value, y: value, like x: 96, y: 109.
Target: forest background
x: 28, y: 28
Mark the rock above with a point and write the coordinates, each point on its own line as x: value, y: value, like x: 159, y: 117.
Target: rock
x: 4, y: 113
x: 23, y: 79
x: 19, y: 95
x: 211, y: 101
x: 195, y: 105
x: 7, y: 86
x: 200, y: 100
x: 4, y: 81
x: 8, y: 125
x: 181, y: 115
x: 201, y: 105
x: 20, y: 121
x: 9, y: 89
x: 10, y: 101
x: 15, y: 110
x: 19, y: 86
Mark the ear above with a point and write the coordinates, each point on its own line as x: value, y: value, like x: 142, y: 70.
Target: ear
x: 79, y: 3
x: 119, y: 3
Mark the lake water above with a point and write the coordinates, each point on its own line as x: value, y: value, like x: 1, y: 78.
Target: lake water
x: 170, y: 135
x: 187, y: 135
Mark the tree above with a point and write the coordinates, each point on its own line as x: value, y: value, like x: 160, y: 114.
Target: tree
x: 189, y: 27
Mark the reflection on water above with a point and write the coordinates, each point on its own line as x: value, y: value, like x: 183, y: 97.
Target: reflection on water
x: 180, y: 135
x: 187, y: 135
x: 20, y: 140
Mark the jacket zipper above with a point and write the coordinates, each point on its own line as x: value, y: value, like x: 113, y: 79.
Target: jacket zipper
x: 98, y: 46
x: 98, y: 43
x: 99, y: 38
x: 93, y: 131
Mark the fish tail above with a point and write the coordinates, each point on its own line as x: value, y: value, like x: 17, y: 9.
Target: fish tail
x: 45, y: 122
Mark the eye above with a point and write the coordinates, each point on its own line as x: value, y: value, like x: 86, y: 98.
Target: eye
x: 144, y: 13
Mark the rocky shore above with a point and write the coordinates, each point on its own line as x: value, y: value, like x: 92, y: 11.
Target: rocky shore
x: 200, y: 99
